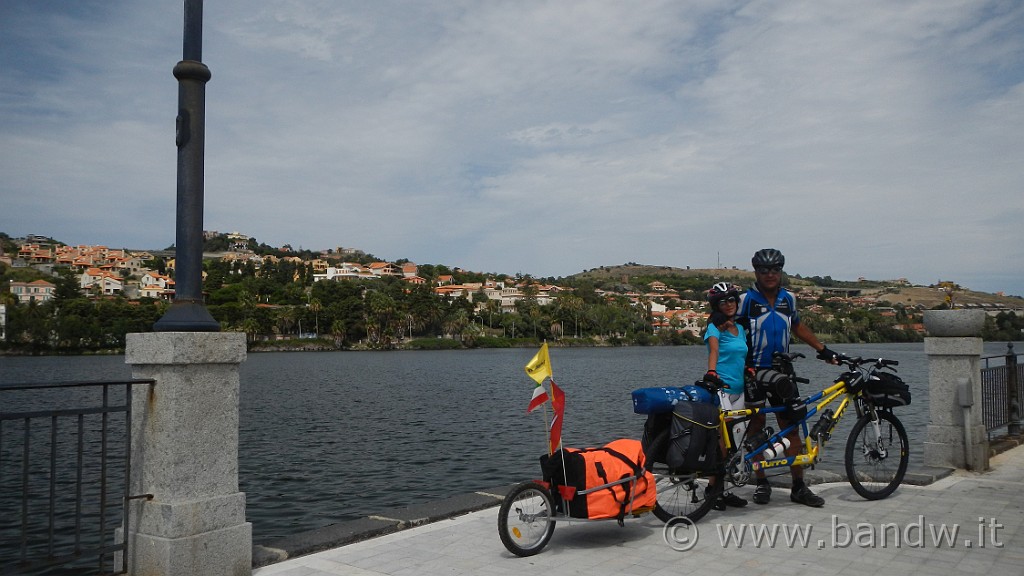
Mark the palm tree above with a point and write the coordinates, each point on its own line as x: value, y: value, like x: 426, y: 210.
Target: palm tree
x: 338, y: 332
x: 493, y: 307
x: 286, y: 319
x: 251, y: 328
x: 572, y: 305
x: 455, y: 321
x: 380, y: 316
x: 315, y: 307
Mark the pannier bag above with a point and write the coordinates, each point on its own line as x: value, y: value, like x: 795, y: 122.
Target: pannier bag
x: 887, y: 390
x: 653, y: 427
x: 589, y: 468
x: 693, y: 437
x: 664, y: 399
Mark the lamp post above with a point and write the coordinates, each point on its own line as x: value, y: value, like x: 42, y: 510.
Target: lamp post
x: 187, y: 312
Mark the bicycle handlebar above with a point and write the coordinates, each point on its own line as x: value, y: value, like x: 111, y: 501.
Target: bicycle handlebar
x: 857, y: 361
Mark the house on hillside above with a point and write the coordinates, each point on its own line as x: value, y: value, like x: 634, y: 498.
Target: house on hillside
x: 409, y: 270
x: 37, y: 291
x: 684, y: 320
x: 344, y: 271
x: 156, y: 280
x: 98, y: 281
x: 382, y: 269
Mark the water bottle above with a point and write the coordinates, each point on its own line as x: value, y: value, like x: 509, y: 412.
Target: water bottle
x: 759, y: 438
x: 777, y: 450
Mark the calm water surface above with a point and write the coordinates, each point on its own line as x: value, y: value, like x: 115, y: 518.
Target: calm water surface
x: 333, y: 436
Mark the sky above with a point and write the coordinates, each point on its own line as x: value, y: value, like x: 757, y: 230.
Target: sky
x: 872, y: 139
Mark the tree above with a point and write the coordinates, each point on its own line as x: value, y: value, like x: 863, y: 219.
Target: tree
x: 571, y: 306
x: 286, y: 319
x: 338, y: 332
x: 381, y: 318
x: 315, y: 307
x: 455, y: 321
x: 251, y: 328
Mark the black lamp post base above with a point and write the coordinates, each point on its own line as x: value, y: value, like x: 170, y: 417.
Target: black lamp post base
x: 186, y: 317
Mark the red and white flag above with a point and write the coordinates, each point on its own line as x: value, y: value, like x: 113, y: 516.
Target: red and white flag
x: 540, y: 396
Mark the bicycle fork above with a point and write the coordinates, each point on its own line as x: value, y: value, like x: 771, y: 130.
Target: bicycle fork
x: 878, y: 451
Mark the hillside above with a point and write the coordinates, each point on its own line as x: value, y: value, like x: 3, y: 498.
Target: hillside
x: 927, y: 297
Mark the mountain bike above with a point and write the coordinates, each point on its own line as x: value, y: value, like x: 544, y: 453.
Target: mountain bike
x: 877, y: 450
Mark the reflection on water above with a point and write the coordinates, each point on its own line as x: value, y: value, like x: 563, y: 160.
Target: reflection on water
x: 332, y: 436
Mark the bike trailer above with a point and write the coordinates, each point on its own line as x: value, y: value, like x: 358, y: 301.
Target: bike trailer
x: 887, y: 390
x: 664, y: 399
x: 605, y: 482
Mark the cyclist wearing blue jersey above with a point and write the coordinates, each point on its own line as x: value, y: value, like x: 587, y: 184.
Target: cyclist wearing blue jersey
x: 768, y: 311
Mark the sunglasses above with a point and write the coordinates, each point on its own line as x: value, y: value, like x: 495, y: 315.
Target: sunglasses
x: 729, y: 300
x: 768, y: 269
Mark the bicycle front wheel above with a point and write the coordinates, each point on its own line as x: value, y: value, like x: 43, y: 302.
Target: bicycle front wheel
x: 526, y: 519
x: 877, y: 453
x: 680, y: 494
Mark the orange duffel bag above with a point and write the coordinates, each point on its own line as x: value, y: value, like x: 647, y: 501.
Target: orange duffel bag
x: 587, y: 481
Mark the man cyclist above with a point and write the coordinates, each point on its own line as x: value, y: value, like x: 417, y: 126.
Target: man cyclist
x: 768, y: 312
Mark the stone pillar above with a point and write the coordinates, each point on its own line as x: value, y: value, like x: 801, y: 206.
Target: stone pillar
x: 185, y: 454
x: 954, y: 358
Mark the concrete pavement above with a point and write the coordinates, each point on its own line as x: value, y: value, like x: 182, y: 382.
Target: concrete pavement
x: 963, y: 523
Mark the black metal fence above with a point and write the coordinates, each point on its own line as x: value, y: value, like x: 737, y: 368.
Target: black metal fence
x: 65, y: 460
x: 1002, y: 387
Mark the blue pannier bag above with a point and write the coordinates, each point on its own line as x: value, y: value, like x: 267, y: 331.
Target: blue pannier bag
x: 664, y: 399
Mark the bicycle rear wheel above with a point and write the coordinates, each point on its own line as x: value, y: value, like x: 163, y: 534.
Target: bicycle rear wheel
x: 876, y: 460
x: 679, y: 494
x: 526, y: 519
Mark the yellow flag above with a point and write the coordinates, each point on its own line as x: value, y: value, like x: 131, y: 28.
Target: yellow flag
x: 540, y: 367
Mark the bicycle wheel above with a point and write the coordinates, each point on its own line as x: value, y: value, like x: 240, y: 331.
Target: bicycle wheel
x: 679, y: 494
x: 525, y: 519
x: 876, y: 461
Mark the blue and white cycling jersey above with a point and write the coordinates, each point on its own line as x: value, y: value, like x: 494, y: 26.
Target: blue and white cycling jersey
x: 770, y: 328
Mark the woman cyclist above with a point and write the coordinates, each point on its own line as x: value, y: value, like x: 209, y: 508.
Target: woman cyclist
x: 727, y: 353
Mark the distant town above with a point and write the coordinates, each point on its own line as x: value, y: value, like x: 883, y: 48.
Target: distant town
x: 665, y: 301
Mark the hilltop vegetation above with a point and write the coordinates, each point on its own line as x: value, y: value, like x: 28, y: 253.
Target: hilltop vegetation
x: 891, y: 292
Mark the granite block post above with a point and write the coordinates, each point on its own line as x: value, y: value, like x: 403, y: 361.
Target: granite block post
x: 185, y: 454
x: 953, y: 361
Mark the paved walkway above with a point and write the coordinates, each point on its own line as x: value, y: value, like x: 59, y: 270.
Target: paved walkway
x: 965, y: 523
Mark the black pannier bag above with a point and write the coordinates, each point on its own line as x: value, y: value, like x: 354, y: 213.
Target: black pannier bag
x: 693, y: 437
x: 653, y: 427
x: 887, y: 390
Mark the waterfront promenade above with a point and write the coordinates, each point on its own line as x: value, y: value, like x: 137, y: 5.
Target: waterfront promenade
x: 960, y: 523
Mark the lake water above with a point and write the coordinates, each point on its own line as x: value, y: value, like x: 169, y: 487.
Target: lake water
x: 332, y: 436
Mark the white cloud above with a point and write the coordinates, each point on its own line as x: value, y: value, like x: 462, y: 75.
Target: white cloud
x: 872, y: 139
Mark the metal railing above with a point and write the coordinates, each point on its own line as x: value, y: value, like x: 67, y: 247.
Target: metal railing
x: 65, y: 461
x: 1002, y: 387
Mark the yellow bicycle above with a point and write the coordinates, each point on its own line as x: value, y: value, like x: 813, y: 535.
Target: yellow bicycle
x: 877, y: 450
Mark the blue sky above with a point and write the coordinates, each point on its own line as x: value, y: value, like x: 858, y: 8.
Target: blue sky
x: 868, y: 139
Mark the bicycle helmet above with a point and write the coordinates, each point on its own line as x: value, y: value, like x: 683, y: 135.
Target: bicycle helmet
x: 721, y: 291
x: 767, y: 258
